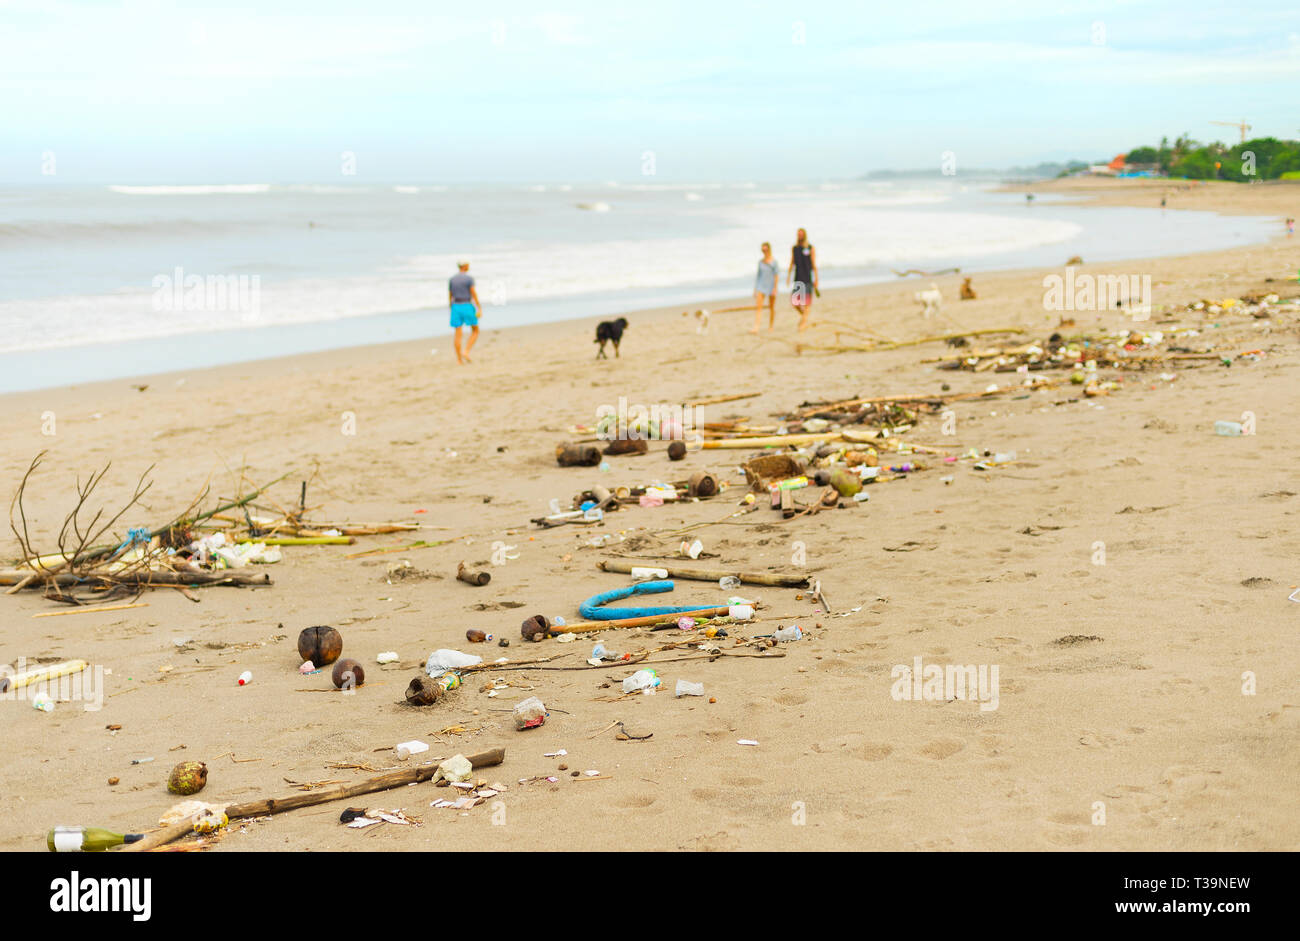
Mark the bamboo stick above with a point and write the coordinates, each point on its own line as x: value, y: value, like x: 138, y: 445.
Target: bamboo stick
x: 301, y: 540
x: 273, y: 805
x: 773, y: 441
x: 582, y: 627
x: 53, y: 672
x: 719, y: 399
x: 89, y: 608
x: 710, y: 575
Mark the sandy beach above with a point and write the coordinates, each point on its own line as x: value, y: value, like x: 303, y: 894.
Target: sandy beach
x: 1121, y: 684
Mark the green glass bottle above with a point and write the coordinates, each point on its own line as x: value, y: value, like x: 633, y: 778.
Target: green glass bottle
x: 86, y: 839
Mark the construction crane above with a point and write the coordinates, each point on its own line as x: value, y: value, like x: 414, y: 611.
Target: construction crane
x: 1240, y: 125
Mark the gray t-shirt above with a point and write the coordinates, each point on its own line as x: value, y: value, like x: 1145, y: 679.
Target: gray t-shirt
x: 459, y: 286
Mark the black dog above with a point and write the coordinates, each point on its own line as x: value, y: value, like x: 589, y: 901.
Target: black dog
x: 609, y: 331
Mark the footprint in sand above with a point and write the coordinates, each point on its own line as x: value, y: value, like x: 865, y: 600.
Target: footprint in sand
x: 706, y: 794
x: 942, y: 748
x: 636, y: 801
x: 790, y: 699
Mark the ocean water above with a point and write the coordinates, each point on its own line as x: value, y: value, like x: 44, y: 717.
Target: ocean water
x: 105, y: 281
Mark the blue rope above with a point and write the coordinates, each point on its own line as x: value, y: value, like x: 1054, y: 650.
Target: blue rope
x: 592, y: 609
x: 136, y: 534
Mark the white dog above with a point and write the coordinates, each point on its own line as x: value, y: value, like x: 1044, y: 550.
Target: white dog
x: 931, y: 299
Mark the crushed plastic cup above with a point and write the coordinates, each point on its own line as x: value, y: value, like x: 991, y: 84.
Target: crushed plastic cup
x: 306, y: 667
x: 686, y: 688
x: 530, y: 713
x: 728, y: 583
x: 793, y: 632
x: 692, y: 549
x: 388, y: 656
x: 861, y: 496
x: 43, y: 701
x: 644, y: 680
x: 645, y: 573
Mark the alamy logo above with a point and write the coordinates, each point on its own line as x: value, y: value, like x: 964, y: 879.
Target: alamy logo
x: 19, y: 683
x: 943, y: 684
x: 214, y: 293
x: 658, y: 422
x: 1075, y: 292
x: 75, y: 894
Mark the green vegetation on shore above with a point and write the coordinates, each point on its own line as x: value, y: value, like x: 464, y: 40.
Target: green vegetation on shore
x: 1263, y: 158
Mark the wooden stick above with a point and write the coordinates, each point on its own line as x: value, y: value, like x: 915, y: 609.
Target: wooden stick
x: 274, y: 805
x: 711, y: 575
x: 221, y: 577
x: 719, y: 399
x: 89, y: 609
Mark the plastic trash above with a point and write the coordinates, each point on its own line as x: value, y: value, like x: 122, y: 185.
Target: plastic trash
x: 861, y: 496
x: 530, y: 713
x: 306, y: 667
x: 440, y: 661
x: 729, y: 583
x: 246, y: 677
x: 644, y: 574
x: 793, y: 632
x: 388, y: 656
x: 741, y: 612
x: 1228, y: 429
x: 454, y: 770
x: 692, y: 549
x: 407, y: 749
x: 685, y: 688
x: 43, y: 702
x: 644, y: 680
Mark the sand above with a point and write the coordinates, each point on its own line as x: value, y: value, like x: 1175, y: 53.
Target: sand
x: 1147, y: 724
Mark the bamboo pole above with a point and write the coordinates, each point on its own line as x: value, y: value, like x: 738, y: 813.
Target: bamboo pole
x: 583, y: 627
x: 221, y: 577
x: 89, y: 609
x: 300, y: 540
x: 52, y: 672
x: 710, y: 575
x: 719, y: 399
x: 274, y: 805
x: 773, y: 441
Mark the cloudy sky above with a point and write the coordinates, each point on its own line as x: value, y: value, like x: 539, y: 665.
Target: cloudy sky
x: 144, y: 91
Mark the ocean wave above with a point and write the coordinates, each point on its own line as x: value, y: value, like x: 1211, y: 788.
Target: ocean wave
x: 205, y: 189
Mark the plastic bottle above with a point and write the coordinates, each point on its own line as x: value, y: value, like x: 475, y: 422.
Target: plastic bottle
x: 729, y: 583
x: 530, y: 713
x: 477, y: 637
x: 792, y: 632
x: 685, y: 688
x: 1229, y: 429
x: 741, y: 612
x: 641, y: 680
x: 86, y: 839
x: 246, y: 677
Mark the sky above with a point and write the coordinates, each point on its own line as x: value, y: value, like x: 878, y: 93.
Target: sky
x: 174, y: 92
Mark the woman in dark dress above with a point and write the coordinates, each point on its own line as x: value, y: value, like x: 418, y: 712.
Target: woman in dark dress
x: 803, y: 271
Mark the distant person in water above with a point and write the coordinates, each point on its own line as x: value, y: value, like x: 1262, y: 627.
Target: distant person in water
x: 465, y: 308
x: 803, y: 271
x: 765, y: 289
x: 1290, y: 226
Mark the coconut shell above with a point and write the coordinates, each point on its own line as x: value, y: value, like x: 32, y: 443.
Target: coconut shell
x: 187, y: 778
x: 536, y: 627
x: 348, y: 673
x: 320, y: 645
x: 423, y: 692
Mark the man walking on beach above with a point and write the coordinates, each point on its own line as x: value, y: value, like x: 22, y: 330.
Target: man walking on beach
x: 465, y: 308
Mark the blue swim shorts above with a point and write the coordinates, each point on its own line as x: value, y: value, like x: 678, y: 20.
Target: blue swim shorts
x: 464, y: 315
